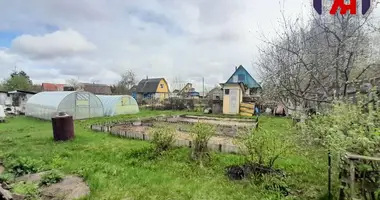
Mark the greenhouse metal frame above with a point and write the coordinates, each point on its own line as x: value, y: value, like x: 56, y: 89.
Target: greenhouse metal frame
x: 118, y: 104
x: 79, y: 104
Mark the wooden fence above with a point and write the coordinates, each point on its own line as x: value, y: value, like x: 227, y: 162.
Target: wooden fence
x: 226, y: 148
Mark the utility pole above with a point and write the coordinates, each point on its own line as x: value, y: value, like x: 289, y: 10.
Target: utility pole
x: 203, y: 80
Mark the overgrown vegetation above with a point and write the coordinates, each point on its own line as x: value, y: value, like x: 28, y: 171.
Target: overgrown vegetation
x: 29, y: 190
x: 51, y: 177
x: 163, y: 137
x: 22, y: 165
x: 201, y: 133
x: 350, y: 128
x: 262, y: 146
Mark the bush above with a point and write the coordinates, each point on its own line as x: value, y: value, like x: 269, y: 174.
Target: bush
x: 23, y: 165
x: 263, y: 147
x: 163, y: 137
x: 349, y: 128
x: 201, y: 134
x: 51, y: 177
x: 30, y: 190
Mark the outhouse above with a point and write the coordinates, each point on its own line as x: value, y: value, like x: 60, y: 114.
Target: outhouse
x: 232, y: 97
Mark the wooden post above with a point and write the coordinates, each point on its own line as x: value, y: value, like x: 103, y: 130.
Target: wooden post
x: 220, y: 147
x: 352, y: 179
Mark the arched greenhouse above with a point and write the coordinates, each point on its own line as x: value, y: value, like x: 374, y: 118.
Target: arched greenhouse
x: 118, y: 104
x: 79, y: 104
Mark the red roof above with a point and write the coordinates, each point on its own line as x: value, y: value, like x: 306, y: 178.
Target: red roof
x: 52, y: 87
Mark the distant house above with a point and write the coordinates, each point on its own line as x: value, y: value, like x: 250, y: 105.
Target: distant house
x: 99, y: 89
x: 188, y: 91
x: 4, y: 97
x: 46, y: 87
x: 152, y: 88
x: 19, y: 98
x: 215, y: 94
x: 241, y: 75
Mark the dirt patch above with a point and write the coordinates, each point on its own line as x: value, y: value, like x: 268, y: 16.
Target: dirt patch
x: 31, y: 178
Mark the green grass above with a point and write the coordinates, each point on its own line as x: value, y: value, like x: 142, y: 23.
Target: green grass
x: 116, y: 168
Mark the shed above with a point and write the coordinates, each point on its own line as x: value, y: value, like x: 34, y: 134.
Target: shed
x: 232, y: 97
x: 118, y: 104
x: 79, y: 104
x: 4, y: 96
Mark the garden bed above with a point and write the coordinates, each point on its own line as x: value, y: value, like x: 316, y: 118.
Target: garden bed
x: 226, y: 130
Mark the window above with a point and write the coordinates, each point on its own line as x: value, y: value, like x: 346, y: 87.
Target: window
x: 241, y: 77
x: 227, y: 91
x: 162, y: 85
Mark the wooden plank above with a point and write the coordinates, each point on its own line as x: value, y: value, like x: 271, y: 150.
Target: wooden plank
x: 246, y: 114
x: 247, y: 105
x: 359, y: 157
x: 247, y: 110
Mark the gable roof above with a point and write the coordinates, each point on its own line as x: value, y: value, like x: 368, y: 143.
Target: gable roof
x: 52, y: 87
x: 241, y: 68
x: 148, y: 85
x: 96, y: 88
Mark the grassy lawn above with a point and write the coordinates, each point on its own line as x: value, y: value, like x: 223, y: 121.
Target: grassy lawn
x: 116, y: 168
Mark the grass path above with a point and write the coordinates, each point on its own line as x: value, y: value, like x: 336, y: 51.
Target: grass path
x: 116, y: 168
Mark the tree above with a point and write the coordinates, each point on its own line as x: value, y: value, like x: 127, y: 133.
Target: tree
x: 310, y: 63
x: 73, y: 83
x: 128, y: 79
x: 18, y: 80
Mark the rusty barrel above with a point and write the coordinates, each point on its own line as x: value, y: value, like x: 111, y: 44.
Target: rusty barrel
x: 63, y: 127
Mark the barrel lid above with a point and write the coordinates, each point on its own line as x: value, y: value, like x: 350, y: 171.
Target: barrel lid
x: 62, y: 114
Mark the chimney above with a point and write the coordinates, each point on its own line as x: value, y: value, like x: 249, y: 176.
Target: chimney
x: 235, y: 68
x: 146, y: 77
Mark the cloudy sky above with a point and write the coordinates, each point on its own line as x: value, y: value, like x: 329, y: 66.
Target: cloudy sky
x: 96, y: 40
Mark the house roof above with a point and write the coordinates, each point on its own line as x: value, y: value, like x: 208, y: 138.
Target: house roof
x: 256, y: 85
x: 52, y: 87
x: 21, y: 91
x: 96, y: 88
x: 148, y: 85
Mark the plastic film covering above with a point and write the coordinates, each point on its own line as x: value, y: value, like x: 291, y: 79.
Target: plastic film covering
x: 79, y: 104
x: 118, y: 104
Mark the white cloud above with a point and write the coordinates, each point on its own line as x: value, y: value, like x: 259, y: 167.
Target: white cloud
x: 100, y: 39
x: 62, y: 43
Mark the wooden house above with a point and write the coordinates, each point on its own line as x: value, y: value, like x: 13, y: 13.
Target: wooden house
x: 241, y: 75
x: 188, y: 92
x: 156, y: 88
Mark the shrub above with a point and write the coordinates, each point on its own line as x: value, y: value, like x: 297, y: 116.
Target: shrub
x: 349, y: 127
x: 30, y: 190
x: 51, y: 177
x: 163, y: 137
x: 262, y: 146
x: 201, y: 134
x: 23, y: 165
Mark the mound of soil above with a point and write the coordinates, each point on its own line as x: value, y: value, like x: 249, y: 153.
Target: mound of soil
x: 239, y: 172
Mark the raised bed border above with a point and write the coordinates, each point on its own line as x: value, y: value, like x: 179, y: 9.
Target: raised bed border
x: 107, y: 128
